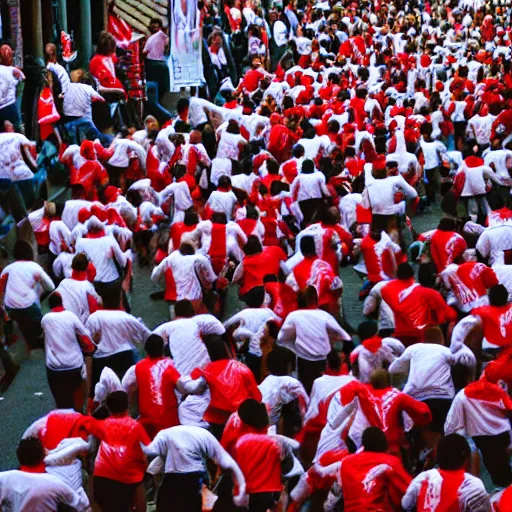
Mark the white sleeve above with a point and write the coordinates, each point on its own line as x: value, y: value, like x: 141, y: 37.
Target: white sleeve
x: 129, y: 381
x: 410, y: 499
x: 473, y: 495
x: 461, y: 331
x: 208, y: 324
x: 159, y: 271
x: 338, y: 413
x: 455, y: 422
x: 335, y: 331
x: 483, y: 245
x: 287, y: 334
x: 35, y: 428
x: 401, y: 365
x: 45, y: 280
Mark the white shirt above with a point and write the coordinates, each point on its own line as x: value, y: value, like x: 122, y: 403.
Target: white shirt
x: 25, y: 283
x: 189, y: 273
x: 62, y: 265
x: 499, y: 159
x: 229, y: 145
x: 8, y: 84
x: 251, y: 324
x: 71, y: 209
x: 313, y: 146
x: 429, y: 369
x: 184, y: 336
x: 62, y: 350
x: 431, y: 153
x: 222, y: 202
x: 75, y: 294
x: 123, y: 150
x: 77, y: 100
x: 59, y: 233
x: 277, y: 391
x: 12, y: 165
x: 476, y: 417
x: 185, y: 449
x: 379, y: 195
x: 102, y: 251
x: 180, y: 192
x: 309, y: 333
x: 115, y: 331
x: 61, y: 73
x: 481, y: 126
x: 31, y: 492
x: 309, y: 186
x: 474, y: 183
x: 493, y: 242
x: 155, y: 46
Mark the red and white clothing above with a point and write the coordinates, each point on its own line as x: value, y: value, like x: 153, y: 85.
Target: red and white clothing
x: 222, y: 201
x: 502, y: 501
x: 372, y: 481
x: 154, y: 48
x: 120, y: 455
x: 373, y: 352
x: 79, y: 295
x: 379, y: 195
x: 309, y: 333
x: 180, y: 192
x: 60, y: 237
x: 481, y: 127
x: 185, y: 338
x: 12, y: 164
x: 253, y: 268
x: 440, y: 490
x: 102, y: 252
x: 495, y: 243
x: 22, y: 283
x: 185, y: 275
x: 230, y: 383
x: 102, y: 68
x: 154, y: 380
x: 251, y: 323
x: 468, y: 284
x: 277, y: 391
x: 309, y: 186
x: 476, y: 172
x: 480, y: 409
x: 130, y: 156
x: 115, y: 331
x: 415, y: 308
x: 429, y: 368
x: 40, y: 226
x: 380, y: 257
x: 445, y: 248
x: 65, y: 338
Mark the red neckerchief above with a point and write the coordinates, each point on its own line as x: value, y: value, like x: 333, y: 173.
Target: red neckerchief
x: 223, y: 189
x: 100, y: 234
x: 40, y: 468
x: 57, y: 309
x: 79, y: 275
x: 336, y: 373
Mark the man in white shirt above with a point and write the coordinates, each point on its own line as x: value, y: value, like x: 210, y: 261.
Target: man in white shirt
x: 21, y: 285
x: 310, y: 332
x: 154, y: 49
x: 30, y: 488
x: 66, y: 340
x: 116, y: 333
x: 52, y: 64
x: 10, y: 76
x: 185, y: 449
x: 105, y: 254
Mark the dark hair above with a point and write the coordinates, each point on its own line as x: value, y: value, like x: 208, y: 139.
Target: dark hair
x: 30, y: 451
x: 23, y: 251
x: 307, y: 246
x: 374, y: 440
x: 333, y: 360
x: 272, y: 166
x: 182, y: 105
x: 298, y: 150
x: 224, y: 181
x: 155, y: 21
x: 80, y: 262
x: 253, y: 245
x: 307, y: 298
x: 367, y: 329
x: 106, y: 44
x: 184, y: 309
x: 233, y: 127
x: 447, y: 224
x: 117, y: 402
x: 111, y: 298
x: 452, y: 452
x: 187, y: 249
x: 253, y: 413
x: 216, y: 347
x: 154, y: 346
x: 308, y: 166
x: 219, y: 218
x: 498, y: 295
x: 55, y: 300
x: 270, y: 278
x: 404, y: 271
x: 256, y: 297
x: 277, y: 362
x: 191, y: 217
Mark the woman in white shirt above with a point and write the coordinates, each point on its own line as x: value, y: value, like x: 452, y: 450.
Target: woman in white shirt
x: 10, y: 76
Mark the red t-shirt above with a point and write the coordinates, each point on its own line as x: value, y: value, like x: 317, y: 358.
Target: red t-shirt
x: 497, y: 323
x: 446, y: 247
x: 257, y: 266
x: 373, y: 481
x: 120, y: 456
x: 259, y: 457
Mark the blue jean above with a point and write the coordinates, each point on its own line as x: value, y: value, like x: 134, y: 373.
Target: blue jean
x: 18, y: 196
x: 83, y: 128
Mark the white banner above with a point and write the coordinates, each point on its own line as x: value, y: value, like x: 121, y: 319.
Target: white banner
x: 185, y: 61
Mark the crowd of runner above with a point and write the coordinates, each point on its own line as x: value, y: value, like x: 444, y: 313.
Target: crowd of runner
x: 349, y: 120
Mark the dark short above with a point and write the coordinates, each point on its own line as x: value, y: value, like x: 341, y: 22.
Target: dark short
x: 439, y: 408
x: 113, y: 496
x: 63, y: 384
